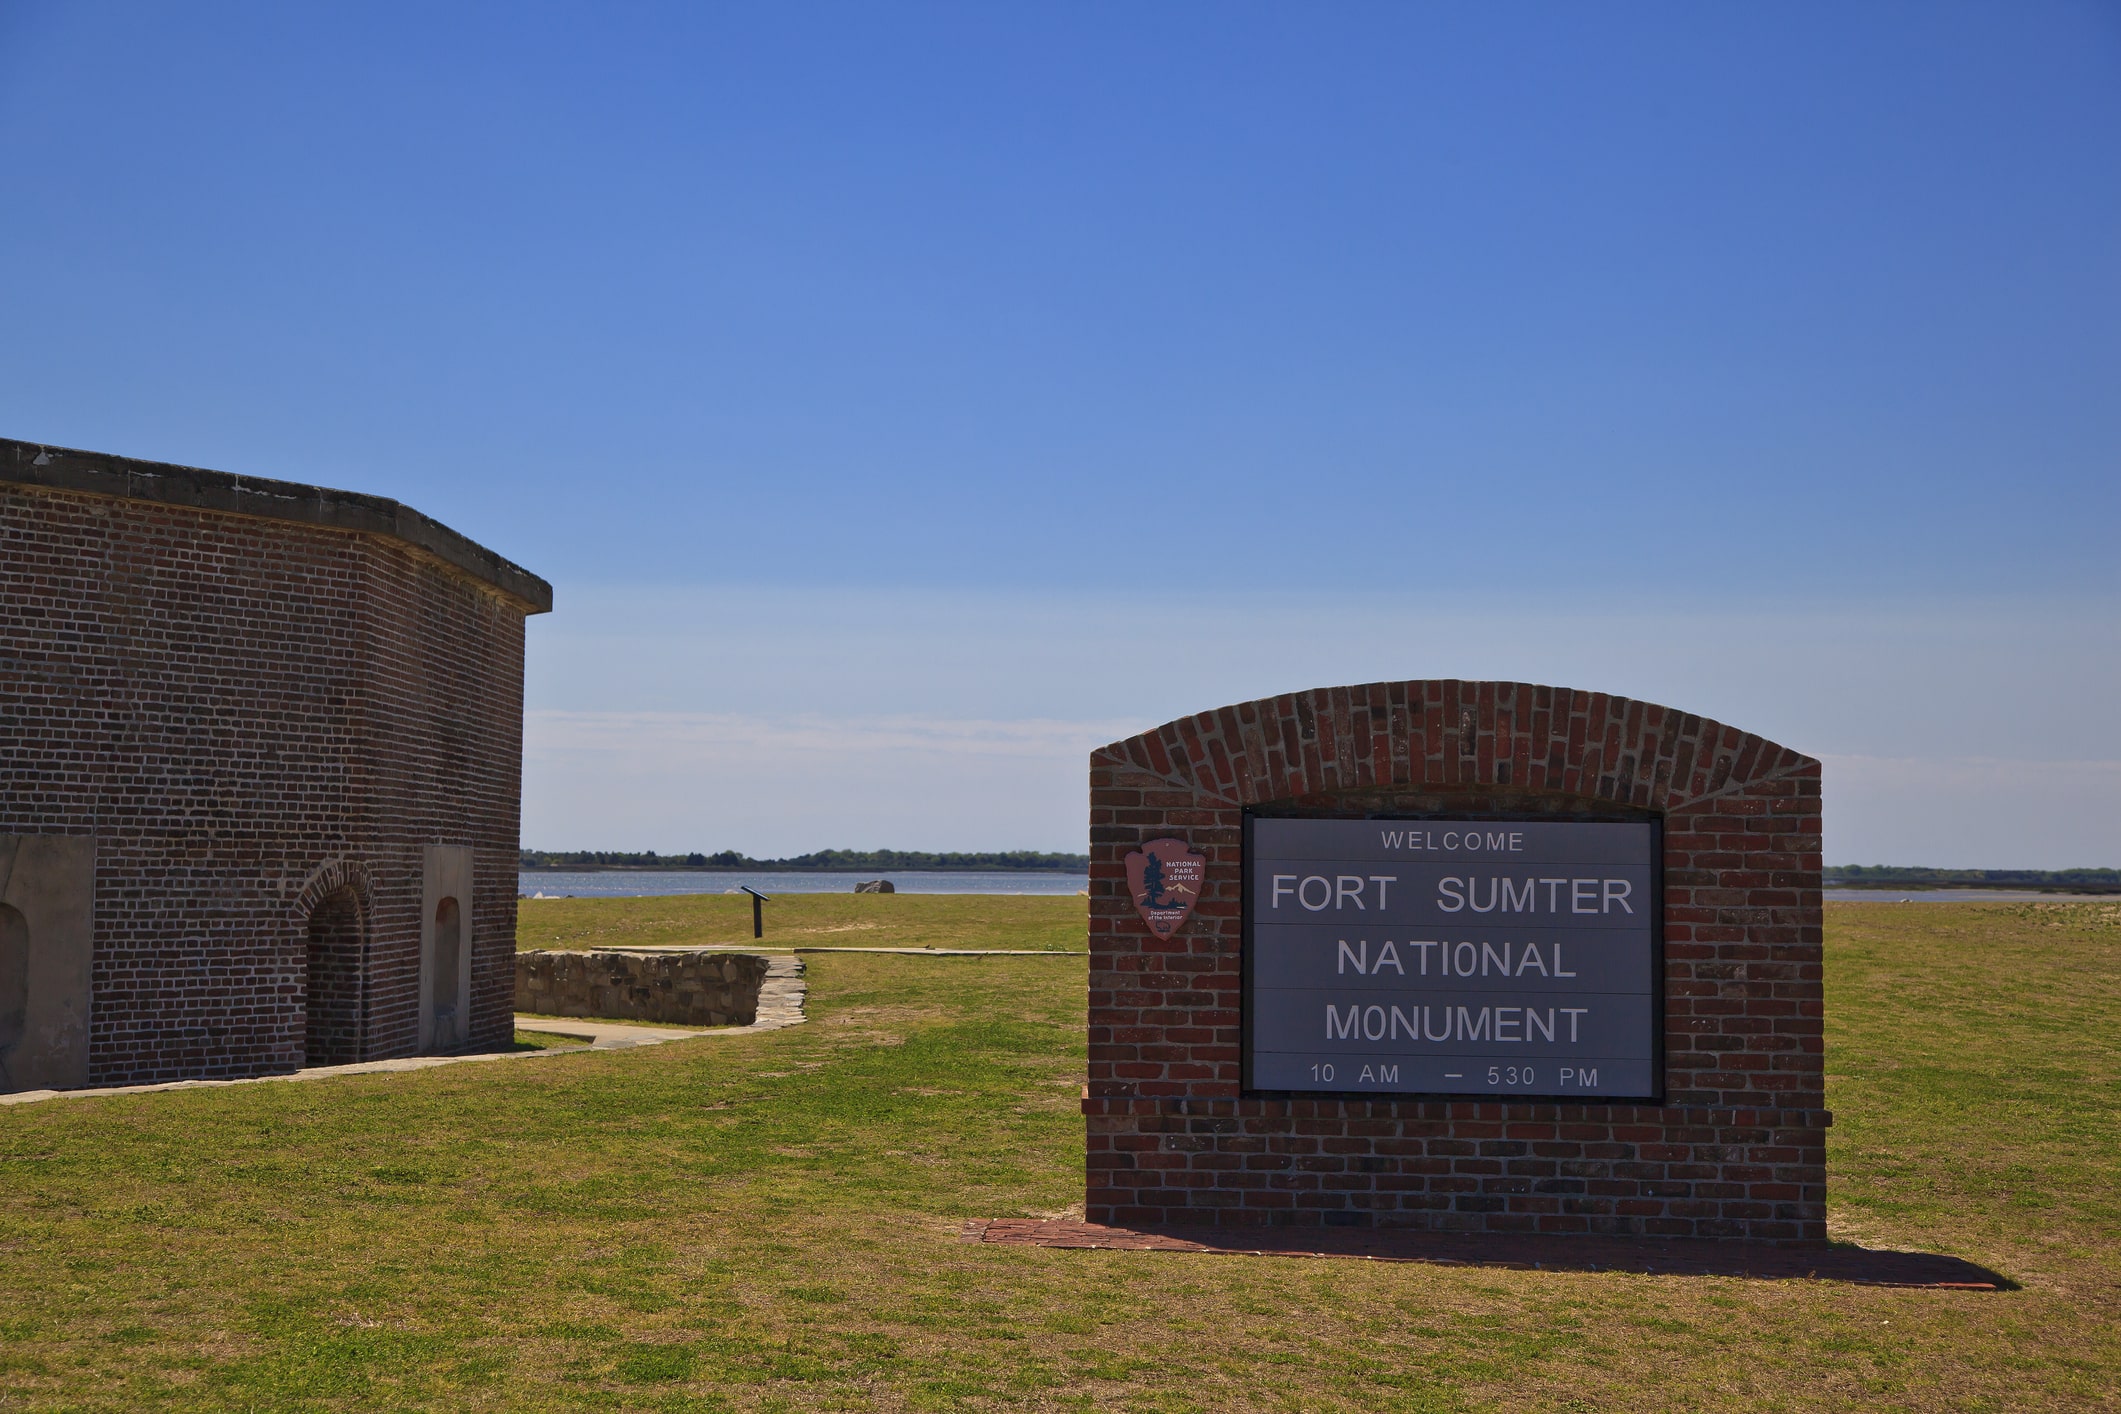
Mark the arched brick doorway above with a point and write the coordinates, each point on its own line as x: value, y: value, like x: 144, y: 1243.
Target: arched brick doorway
x: 336, y: 966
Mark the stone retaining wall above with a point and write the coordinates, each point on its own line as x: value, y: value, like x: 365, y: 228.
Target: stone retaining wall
x: 682, y: 988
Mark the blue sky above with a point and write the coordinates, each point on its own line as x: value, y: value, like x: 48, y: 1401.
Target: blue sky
x: 854, y: 371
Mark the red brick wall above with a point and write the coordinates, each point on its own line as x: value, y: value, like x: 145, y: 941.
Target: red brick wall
x: 1736, y: 1151
x: 242, y: 710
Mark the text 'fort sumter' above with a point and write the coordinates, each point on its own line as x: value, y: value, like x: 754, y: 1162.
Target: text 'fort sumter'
x: 1452, y: 957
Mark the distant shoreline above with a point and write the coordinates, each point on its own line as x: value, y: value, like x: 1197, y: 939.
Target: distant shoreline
x: 770, y: 868
x: 1868, y: 885
x: 1904, y: 885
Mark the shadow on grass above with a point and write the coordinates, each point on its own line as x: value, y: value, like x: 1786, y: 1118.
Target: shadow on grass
x: 527, y: 1040
x: 1834, y: 1261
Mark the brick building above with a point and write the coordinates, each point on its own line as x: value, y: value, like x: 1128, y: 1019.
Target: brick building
x: 260, y: 767
x: 1735, y: 1148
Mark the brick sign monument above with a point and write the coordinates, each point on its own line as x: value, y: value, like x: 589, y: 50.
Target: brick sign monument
x: 1478, y: 957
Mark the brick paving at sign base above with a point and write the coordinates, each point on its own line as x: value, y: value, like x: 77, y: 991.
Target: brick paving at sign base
x: 1676, y: 1257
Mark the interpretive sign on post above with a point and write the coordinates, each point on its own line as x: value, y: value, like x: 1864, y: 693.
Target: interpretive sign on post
x: 1481, y: 957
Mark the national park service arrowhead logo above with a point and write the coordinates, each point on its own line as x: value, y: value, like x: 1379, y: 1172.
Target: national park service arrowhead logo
x: 1165, y: 878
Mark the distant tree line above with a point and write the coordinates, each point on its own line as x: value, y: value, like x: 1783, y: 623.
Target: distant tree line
x: 1887, y: 876
x: 875, y: 859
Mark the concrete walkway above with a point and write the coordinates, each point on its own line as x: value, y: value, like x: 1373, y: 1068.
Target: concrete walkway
x: 763, y: 949
x: 781, y: 998
x: 951, y: 952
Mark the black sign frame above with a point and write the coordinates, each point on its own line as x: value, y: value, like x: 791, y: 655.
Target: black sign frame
x: 1657, y: 972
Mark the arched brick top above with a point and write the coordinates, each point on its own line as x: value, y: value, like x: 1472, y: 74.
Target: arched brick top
x: 329, y: 878
x: 1451, y: 734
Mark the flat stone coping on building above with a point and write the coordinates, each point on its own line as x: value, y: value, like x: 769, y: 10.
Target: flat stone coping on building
x: 100, y: 474
x: 781, y: 999
x: 1864, y: 1266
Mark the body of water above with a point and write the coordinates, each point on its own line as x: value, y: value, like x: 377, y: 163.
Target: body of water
x: 598, y: 883
x: 1959, y: 896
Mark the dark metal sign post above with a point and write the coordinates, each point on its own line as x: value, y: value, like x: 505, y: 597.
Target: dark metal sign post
x: 758, y: 914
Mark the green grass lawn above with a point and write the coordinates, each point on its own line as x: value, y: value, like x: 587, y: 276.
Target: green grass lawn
x: 769, y: 1222
x: 849, y: 920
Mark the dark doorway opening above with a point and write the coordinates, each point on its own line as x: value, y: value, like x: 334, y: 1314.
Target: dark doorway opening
x: 449, y: 1029
x: 14, y: 987
x: 335, y: 974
